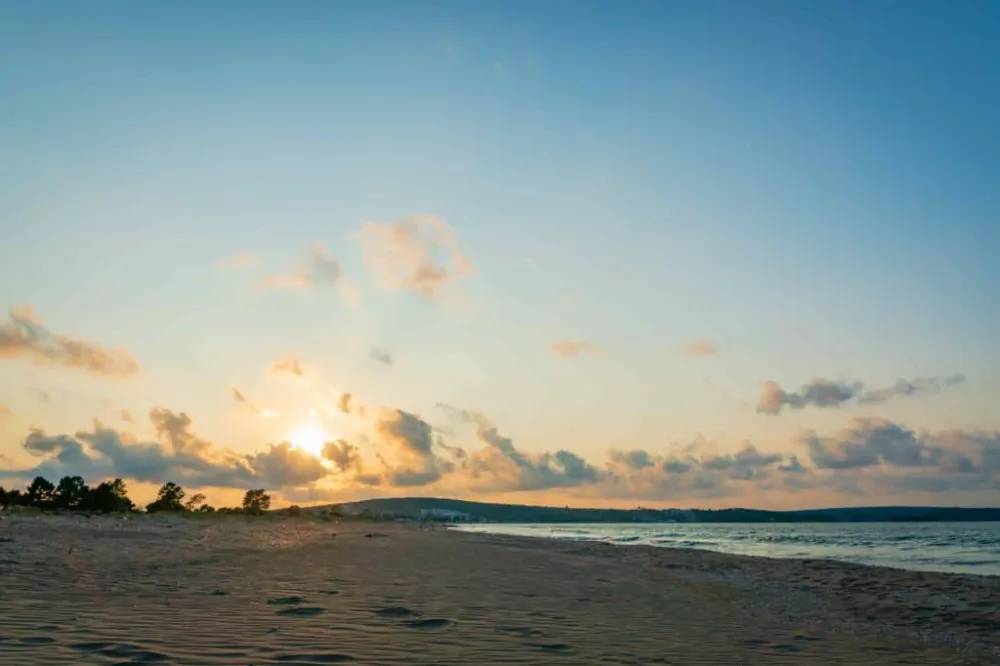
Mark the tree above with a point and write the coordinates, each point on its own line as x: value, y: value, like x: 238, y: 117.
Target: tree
x: 195, y: 503
x: 169, y: 498
x: 41, y: 493
x: 110, y: 496
x: 256, y: 502
x: 71, y: 493
x: 14, y: 498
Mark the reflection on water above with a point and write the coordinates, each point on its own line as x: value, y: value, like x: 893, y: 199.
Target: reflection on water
x: 954, y: 547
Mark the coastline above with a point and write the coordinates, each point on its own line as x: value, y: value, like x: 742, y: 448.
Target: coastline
x: 960, y: 548
x: 238, y: 591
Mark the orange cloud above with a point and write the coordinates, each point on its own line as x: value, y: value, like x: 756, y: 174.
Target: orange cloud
x: 419, y: 254
x: 700, y: 348
x: 573, y: 348
x: 24, y: 335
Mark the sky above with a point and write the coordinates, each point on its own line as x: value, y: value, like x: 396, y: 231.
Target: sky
x: 695, y: 254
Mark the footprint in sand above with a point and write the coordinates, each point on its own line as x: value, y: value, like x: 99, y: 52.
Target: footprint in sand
x: 550, y: 647
x: 429, y: 623
x: 396, y: 611
x: 320, y: 658
x: 285, y: 601
x: 302, y: 611
x: 135, y: 655
x: 36, y: 640
x: 294, y: 609
x: 521, y: 632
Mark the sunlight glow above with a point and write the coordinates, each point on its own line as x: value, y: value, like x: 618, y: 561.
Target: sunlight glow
x: 310, y: 438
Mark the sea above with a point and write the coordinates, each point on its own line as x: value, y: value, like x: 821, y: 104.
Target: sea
x: 971, y: 548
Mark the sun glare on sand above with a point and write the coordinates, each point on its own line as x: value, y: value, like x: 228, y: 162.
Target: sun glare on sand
x: 310, y: 438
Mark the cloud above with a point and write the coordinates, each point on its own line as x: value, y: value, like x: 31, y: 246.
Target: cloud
x: 24, y: 335
x: 869, y: 458
x: 419, y: 254
x: 915, y: 386
x: 344, y: 402
x: 693, y: 471
x: 888, y: 455
x: 239, y: 260
x: 573, y: 348
x: 175, y: 428
x: 825, y: 393
x: 381, y: 355
x: 177, y: 455
x: 319, y: 269
x: 260, y: 412
x: 700, y: 348
x: 633, y: 459
x: 410, y: 441
x: 871, y: 442
x: 125, y: 415
x: 283, y: 465
x: 501, y: 467
x: 290, y: 369
x: 345, y: 456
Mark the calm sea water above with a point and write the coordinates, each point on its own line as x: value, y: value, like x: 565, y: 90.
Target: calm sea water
x: 955, y: 547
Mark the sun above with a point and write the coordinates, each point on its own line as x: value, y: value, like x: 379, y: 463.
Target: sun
x: 310, y: 438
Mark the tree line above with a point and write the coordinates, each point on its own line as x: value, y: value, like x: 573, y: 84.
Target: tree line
x: 73, y: 494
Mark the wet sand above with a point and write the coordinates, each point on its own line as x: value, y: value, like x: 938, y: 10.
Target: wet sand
x: 268, y: 591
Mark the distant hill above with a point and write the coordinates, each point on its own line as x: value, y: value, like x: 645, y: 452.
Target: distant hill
x: 415, y: 507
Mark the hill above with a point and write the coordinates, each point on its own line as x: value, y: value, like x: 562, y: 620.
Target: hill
x: 415, y: 507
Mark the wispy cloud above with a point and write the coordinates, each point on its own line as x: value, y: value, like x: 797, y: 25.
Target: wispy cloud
x: 319, y: 270
x: 381, y: 355
x: 24, y: 335
x: 700, y: 348
x: 291, y: 369
x: 573, y: 348
x: 256, y: 410
x: 239, y: 260
x: 5, y: 412
x: 125, y: 415
x: 826, y: 393
x: 419, y: 254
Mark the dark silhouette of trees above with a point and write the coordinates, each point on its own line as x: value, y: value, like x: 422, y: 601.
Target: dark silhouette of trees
x: 256, y: 502
x: 41, y: 493
x: 110, y: 497
x: 195, y: 502
x: 72, y: 493
x: 169, y: 498
x: 13, y: 497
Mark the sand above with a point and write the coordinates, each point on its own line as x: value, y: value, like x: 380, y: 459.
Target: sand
x: 296, y: 591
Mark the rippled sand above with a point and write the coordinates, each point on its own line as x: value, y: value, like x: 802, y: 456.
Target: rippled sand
x: 268, y: 591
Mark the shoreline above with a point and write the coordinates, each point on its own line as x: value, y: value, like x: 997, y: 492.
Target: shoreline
x: 263, y: 591
x: 942, y: 608
x: 991, y: 579
x: 891, y: 549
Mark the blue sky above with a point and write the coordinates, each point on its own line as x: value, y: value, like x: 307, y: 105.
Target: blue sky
x: 809, y: 186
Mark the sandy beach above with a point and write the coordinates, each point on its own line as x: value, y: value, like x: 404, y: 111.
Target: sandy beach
x: 295, y: 591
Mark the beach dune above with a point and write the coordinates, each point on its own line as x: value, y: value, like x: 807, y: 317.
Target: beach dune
x: 270, y: 591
